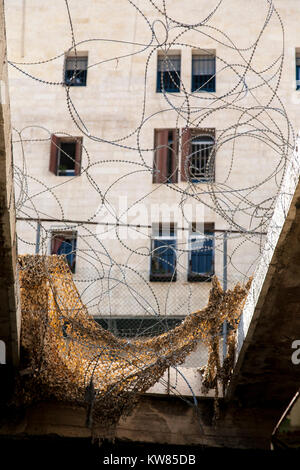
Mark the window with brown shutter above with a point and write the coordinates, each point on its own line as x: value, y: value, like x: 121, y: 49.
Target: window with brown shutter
x: 53, y: 154
x: 78, y: 153
x: 185, y: 152
x: 65, y: 155
x: 165, y: 156
x: 198, y: 155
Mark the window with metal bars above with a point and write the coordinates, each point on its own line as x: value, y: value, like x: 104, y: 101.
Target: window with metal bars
x: 201, y: 254
x: 201, y: 161
x: 168, y: 73
x: 204, y: 72
x: 297, y: 71
x: 163, y: 253
x: 64, y: 243
x: 138, y: 326
x: 76, y: 70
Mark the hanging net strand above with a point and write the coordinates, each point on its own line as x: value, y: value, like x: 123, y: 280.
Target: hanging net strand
x: 72, y: 359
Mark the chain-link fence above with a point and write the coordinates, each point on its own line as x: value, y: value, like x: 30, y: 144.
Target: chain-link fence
x: 131, y: 306
x: 152, y: 290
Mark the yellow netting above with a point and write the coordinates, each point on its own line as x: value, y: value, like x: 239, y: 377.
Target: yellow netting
x: 69, y: 357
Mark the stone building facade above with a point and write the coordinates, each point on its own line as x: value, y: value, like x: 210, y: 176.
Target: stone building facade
x: 219, y: 90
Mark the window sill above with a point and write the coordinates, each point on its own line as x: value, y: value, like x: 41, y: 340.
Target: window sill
x: 203, y: 91
x: 162, y: 278
x: 168, y: 91
x: 199, y: 181
x: 66, y: 176
x: 165, y: 182
x: 75, y: 84
x: 200, y: 277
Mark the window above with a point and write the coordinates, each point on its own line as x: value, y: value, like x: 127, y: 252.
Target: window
x: 163, y: 253
x: 201, y: 254
x: 199, y: 162
x: 168, y: 73
x: 297, y: 70
x: 165, y: 156
x: 64, y: 243
x: 76, y: 70
x: 138, y: 326
x: 65, y: 155
x: 203, y: 72
x: 198, y: 155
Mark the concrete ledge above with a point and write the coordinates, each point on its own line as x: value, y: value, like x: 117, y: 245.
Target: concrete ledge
x: 162, y: 420
x: 264, y: 374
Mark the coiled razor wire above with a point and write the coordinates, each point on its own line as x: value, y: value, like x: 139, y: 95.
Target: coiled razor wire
x: 260, y: 117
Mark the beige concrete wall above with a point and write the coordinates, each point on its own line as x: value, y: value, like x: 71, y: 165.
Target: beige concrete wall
x: 111, y: 107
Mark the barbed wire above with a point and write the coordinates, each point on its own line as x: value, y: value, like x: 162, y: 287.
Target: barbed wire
x: 111, y: 264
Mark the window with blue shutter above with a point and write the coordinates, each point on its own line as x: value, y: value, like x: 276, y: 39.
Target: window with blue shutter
x: 64, y: 243
x: 163, y: 255
x: 168, y: 73
x: 201, y: 256
x: 204, y: 72
x: 297, y: 71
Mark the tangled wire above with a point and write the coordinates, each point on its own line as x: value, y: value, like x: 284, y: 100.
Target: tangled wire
x: 69, y: 358
x: 69, y: 354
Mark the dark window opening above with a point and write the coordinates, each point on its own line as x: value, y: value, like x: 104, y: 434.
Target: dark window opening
x: 298, y: 71
x: 64, y: 243
x: 204, y: 73
x: 201, y: 254
x: 76, y: 71
x: 201, y: 160
x: 66, y: 159
x: 65, y: 155
x: 163, y: 254
x: 168, y: 74
x: 139, y: 326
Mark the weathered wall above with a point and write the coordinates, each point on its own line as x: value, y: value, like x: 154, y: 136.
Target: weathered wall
x: 9, y: 305
x: 163, y: 420
x: 111, y: 107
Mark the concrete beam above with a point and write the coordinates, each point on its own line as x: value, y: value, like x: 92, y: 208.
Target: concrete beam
x: 264, y: 374
x: 163, y: 420
x: 9, y: 305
